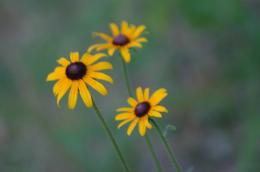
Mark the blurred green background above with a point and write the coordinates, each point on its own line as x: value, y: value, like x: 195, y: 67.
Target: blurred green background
x: 205, y: 52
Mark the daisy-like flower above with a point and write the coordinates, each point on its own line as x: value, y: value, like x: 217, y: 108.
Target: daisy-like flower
x: 76, y: 75
x: 141, y: 110
x: 122, y: 40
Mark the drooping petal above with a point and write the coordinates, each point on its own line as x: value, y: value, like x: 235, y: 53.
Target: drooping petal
x: 114, y: 28
x: 132, y: 126
x: 96, y: 85
x: 111, y: 51
x: 148, y: 124
x: 58, y: 85
x: 74, y: 56
x: 73, y: 95
x: 63, y: 61
x: 124, y: 122
x: 103, y: 47
x: 101, y: 76
x: 158, y: 96
x: 63, y: 89
x: 132, y: 102
x: 95, y: 46
x: 160, y: 108
x: 139, y: 94
x: 142, y: 126
x: 103, y: 36
x: 101, y: 66
x: 85, y: 94
x: 125, y: 54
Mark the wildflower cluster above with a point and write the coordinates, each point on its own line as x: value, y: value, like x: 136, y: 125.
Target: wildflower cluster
x: 80, y: 73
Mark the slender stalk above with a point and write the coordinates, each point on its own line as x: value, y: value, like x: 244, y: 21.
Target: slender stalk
x: 151, y: 149
x: 103, y: 122
x: 126, y: 78
x: 167, y: 146
x: 150, y: 146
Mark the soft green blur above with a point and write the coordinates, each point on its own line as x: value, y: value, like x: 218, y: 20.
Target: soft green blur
x: 205, y: 52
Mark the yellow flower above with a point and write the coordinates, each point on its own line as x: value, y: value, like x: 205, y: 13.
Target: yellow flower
x: 76, y: 75
x: 121, y: 40
x: 142, y: 109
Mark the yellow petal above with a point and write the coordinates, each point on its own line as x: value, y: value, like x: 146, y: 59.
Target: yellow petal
x: 114, y: 29
x: 63, y: 61
x: 139, y: 94
x: 101, y: 76
x: 74, y: 56
x: 124, y: 122
x: 146, y: 93
x: 95, y: 46
x: 125, y: 54
x: 58, y: 85
x: 139, y: 31
x: 73, y: 95
x: 103, y: 36
x: 88, y: 59
x: 124, y: 109
x: 123, y: 116
x: 124, y: 27
x: 105, y: 46
x: 111, y: 51
x: 132, y: 126
x: 132, y: 102
x: 142, y: 127
x: 101, y: 66
x: 141, y: 40
x: 135, y: 44
x: 63, y: 89
x: 58, y: 73
x: 148, y: 125
x: 155, y: 114
x: 158, y: 96
x: 85, y: 94
x: 160, y: 108
x: 96, y: 85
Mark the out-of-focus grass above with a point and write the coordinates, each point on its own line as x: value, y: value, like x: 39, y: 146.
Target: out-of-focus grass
x: 206, y: 53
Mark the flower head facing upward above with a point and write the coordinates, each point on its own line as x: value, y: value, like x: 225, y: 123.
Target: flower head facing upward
x: 142, y: 109
x: 76, y: 75
x: 121, y: 40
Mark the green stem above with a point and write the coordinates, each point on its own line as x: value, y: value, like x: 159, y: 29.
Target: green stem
x: 167, y: 146
x: 102, y: 120
x: 126, y: 78
x: 151, y: 149
x: 150, y: 146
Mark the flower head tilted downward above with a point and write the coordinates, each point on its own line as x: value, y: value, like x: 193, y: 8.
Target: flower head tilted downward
x: 142, y: 109
x: 76, y: 75
x: 122, y: 40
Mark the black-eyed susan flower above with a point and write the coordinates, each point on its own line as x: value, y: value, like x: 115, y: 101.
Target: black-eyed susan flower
x: 129, y: 36
x: 142, y: 109
x: 77, y: 75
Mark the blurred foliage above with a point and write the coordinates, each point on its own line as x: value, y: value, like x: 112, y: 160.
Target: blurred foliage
x: 206, y: 53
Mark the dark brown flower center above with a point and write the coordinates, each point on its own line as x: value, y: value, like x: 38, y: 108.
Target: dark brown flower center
x: 76, y: 70
x: 142, y: 109
x: 121, y: 40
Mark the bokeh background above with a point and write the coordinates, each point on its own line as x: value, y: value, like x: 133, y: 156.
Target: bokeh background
x: 205, y: 52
